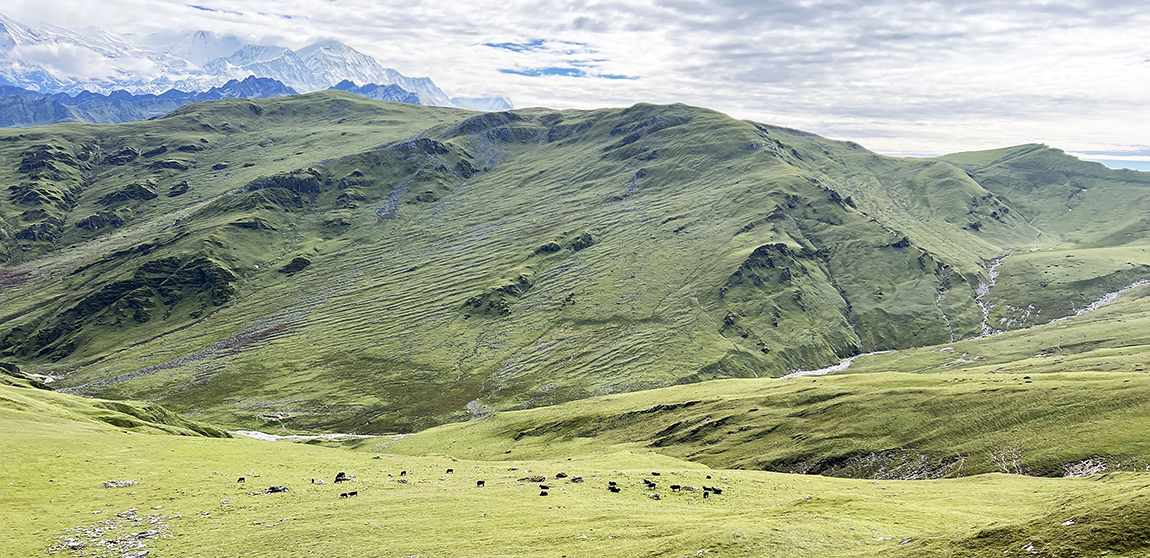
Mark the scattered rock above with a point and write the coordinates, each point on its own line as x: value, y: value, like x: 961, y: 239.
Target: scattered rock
x: 120, y: 484
x: 275, y: 488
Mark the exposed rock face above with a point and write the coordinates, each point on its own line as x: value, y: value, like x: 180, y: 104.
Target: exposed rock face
x: 296, y: 264
x: 299, y: 181
x: 179, y: 189
x: 141, y: 191
x: 100, y: 220
x: 582, y: 241
x: 156, y: 286
x: 122, y: 156
x: 173, y: 164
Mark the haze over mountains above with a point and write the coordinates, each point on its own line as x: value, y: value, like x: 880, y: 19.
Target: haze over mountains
x: 50, y: 59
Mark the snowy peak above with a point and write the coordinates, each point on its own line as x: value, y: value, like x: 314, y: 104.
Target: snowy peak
x: 50, y: 59
x: 333, y: 62
x: 485, y: 104
x: 204, y: 46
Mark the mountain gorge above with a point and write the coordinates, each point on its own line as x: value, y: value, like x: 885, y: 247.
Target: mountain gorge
x: 396, y: 266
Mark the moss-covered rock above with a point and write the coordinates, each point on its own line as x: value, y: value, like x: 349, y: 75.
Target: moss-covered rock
x: 179, y: 189
x: 303, y: 181
x: 296, y: 264
x: 140, y: 191
x: 122, y: 156
x: 582, y: 241
x: 172, y: 164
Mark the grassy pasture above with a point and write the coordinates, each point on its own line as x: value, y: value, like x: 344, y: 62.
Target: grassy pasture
x: 189, y: 495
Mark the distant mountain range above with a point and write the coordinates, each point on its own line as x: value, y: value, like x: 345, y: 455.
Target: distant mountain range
x: 24, y: 108
x: 49, y: 60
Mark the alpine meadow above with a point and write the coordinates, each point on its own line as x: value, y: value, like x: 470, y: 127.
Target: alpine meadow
x: 647, y: 331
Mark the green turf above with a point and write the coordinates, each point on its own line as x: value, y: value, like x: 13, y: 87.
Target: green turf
x: 188, y: 503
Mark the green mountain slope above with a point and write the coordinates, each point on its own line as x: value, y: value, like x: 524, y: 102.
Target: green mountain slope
x: 26, y: 404
x: 351, y: 264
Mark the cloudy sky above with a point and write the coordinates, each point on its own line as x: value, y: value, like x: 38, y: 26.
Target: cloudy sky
x: 900, y: 77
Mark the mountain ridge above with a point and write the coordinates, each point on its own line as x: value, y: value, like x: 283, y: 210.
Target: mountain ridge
x: 507, y: 260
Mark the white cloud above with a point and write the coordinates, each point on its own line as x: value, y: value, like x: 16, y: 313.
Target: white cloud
x: 900, y: 76
x: 71, y: 61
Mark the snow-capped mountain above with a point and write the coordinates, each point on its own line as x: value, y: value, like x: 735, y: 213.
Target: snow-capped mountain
x: 50, y: 60
x: 267, y: 61
x: 333, y: 62
x: 485, y: 104
x: 202, y: 47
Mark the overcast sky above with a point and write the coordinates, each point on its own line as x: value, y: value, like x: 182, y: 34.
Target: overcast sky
x: 900, y: 77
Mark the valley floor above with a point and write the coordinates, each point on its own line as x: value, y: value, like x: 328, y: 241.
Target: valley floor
x: 188, y: 503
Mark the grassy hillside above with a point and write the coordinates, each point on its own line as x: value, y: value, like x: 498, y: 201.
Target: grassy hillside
x: 1053, y: 399
x: 351, y: 264
x: 1080, y: 203
x: 26, y: 403
x: 182, y: 496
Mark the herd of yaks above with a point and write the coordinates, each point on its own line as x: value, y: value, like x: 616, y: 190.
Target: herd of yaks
x: 612, y: 486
